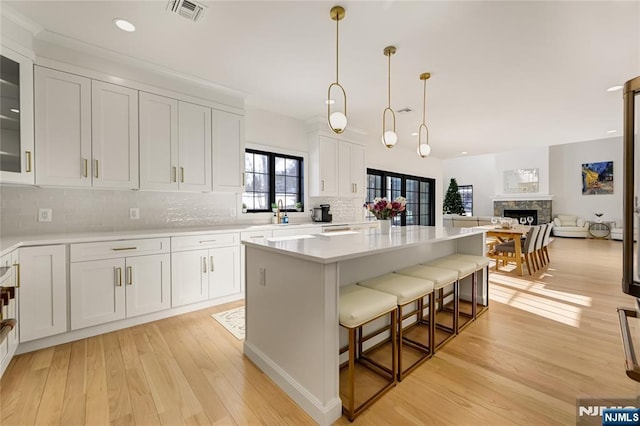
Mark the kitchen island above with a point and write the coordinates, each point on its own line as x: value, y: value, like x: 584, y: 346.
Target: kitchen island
x: 293, y: 333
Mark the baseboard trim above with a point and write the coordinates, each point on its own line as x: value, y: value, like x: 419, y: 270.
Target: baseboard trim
x: 322, y: 414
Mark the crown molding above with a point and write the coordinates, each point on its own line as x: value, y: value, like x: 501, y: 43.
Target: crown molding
x: 19, y: 19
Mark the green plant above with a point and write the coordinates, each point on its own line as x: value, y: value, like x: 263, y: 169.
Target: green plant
x: 298, y: 205
x: 453, y: 200
x: 244, y: 206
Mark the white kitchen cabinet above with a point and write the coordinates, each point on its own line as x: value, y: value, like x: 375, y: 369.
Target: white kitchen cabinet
x: 158, y: 142
x: 228, y: 152
x: 114, y: 130
x: 257, y: 235
x: 16, y: 119
x: 351, y: 170
x: 118, y: 279
x: 62, y: 128
x: 323, y: 163
x: 8, y: 307
x: 43, y: 291
x: 175, y: 144
x: 204, y: 267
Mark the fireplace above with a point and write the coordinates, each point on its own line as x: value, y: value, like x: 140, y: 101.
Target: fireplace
x: 541, y: 206
x: 522, y: 213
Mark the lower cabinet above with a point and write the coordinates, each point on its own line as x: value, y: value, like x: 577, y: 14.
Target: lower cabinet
x: 108, y: 290
x: 207, y: 273
x: 42, y: 280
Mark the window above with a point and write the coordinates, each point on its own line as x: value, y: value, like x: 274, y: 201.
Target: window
x: 270, y: 177
x: 466, y: 192
x: 417, y: 190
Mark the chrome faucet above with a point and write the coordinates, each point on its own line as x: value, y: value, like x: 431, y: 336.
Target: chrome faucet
x: 280, y: 207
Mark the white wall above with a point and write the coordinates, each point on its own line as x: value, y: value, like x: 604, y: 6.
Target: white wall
x: 565, y: 164
x: 479, y: 171
x: 275, y: 130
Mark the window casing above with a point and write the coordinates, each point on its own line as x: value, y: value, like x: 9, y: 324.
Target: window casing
x: 466, y: 192
x: 270, y: 177
x: 419, y: 192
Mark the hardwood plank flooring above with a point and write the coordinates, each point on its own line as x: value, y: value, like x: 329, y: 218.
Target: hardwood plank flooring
x: 546, y: 340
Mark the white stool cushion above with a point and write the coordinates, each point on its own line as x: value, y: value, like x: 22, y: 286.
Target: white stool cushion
x: 464, y: 267
x: 439, y: 276
x: 404, y: 287
x: 481, y: 261
x: 359, y: 305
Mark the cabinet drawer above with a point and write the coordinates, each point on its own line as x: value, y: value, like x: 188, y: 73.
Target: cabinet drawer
x: 256, y: 235
x: 204, y: 241
x: 113, y: 249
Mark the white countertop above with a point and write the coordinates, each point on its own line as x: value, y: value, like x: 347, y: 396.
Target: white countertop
x: 8, y: 244
x: 328, y: 248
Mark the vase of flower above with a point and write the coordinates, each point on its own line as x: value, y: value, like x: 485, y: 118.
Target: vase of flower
x: 384, y: 211
x: 384, y: 225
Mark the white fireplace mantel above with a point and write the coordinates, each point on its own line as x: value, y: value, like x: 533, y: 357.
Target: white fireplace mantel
x: 523, y: 197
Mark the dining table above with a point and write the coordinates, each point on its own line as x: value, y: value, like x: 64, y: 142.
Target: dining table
x: 515, y: 233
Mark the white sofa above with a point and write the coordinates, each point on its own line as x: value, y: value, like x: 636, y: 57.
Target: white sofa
x: 458, y: 221
x: 570, y: 226
x: 616, y: 232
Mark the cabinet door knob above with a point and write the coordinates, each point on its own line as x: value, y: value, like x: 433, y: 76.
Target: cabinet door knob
x: 175, y: 173
x: 182, y: 174
x: 211, y: 268
x: 17, y: 266
x: 95, y: 169
x: 322, y: 183
x: 85, y: 162
x: 129, y: 275
x: 204, y: 265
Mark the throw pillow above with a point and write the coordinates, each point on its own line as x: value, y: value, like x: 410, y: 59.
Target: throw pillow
x: 557, y: 222
x: 580, y: 222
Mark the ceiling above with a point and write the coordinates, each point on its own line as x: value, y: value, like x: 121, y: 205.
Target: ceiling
x: 504, y: 74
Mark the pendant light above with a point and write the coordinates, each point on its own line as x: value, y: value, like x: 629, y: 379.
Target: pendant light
x: 423, y: 146
x: 389, y: 137
x: 337, y: 120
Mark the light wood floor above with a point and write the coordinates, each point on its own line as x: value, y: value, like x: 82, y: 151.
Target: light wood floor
x: 545, y: 340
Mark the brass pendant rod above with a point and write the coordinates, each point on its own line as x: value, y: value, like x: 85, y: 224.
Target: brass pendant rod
x: 389, y: 82
x: 424, y: 103
x: 337, y: 48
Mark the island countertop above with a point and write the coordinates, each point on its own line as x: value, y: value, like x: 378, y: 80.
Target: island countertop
x: 339, y: 246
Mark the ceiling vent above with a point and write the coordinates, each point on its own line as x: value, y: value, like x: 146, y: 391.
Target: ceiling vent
x: 405, y: 110
x: 187, y: 9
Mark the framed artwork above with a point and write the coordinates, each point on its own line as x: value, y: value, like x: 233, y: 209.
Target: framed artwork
x: 597, y: 178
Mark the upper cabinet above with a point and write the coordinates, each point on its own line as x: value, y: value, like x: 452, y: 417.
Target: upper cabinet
x: 175, y: 144
x: 228, y: 152
x: 351, y: 170
x: 114, y: 131
x: 323, y: 163
x: 16, y: 118
x: 86, y: 132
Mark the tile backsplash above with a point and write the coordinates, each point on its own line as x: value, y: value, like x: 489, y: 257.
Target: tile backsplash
x: 94, y: 210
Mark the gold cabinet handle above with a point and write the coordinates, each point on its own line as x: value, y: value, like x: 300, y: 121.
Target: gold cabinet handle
x: 322, y: 182
x: 211, y: 268
x: 96, y: 168
x: 28, y: 154
x: 85, y: 162
x: 182, y: 174
x: 355, y: 185
x: 243, y: 176
x: 17, y: 266
x: 204, y: 265
x: 118, y: 277
x: 175, y: 173
x: 129, y: 275
x: 124, y: 248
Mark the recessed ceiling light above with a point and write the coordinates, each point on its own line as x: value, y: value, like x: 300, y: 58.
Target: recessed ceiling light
x: 17, y: 111
x: 414, y: 134
x: 124, y: 25
x: 614, y: 88
x: 464, y: 153
x: 329, y: 101
x: 611, y: 131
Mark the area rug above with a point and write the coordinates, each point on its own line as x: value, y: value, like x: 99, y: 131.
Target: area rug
x: 232, y: 320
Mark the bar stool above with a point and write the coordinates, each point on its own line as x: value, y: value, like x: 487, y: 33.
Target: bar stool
x: 441, y: 278
x: 482, y: 263
x: 360, y: 306
x: 464, y: 268
x: 409, y: 290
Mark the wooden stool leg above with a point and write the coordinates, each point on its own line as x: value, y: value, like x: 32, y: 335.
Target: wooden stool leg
x: 474, y: 295
x: 432, y: 322
x: 456, y: 306
x: 352, y: 367
x: 399, y: 328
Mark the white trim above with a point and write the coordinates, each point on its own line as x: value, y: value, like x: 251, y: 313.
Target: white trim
x: 95, y: 75
x: 83, y: 333
x: 19, y: 19
x: 77, y: 45
x: 528, y: 197
x: 9, y: 44
x: 323, y: 415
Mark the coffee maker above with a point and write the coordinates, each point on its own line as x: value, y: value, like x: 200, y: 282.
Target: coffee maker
x: 321, y: 213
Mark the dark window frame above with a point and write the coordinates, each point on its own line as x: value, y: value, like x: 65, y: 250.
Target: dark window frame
x: 466, y: 193
x: 402, y: 218
x: 271, y: 165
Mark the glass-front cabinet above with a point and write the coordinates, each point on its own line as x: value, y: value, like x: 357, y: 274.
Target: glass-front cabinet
x: 16, y: 117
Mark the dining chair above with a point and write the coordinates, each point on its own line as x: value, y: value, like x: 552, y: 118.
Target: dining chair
x: 546, y: 240
x: 537, y: 252
x: 527, y: 249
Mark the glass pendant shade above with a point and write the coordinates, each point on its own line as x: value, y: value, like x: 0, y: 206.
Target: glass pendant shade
x: 338, y: 121
x: 424, y: 150
x: 423, y: 143
x: 389, y: 139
